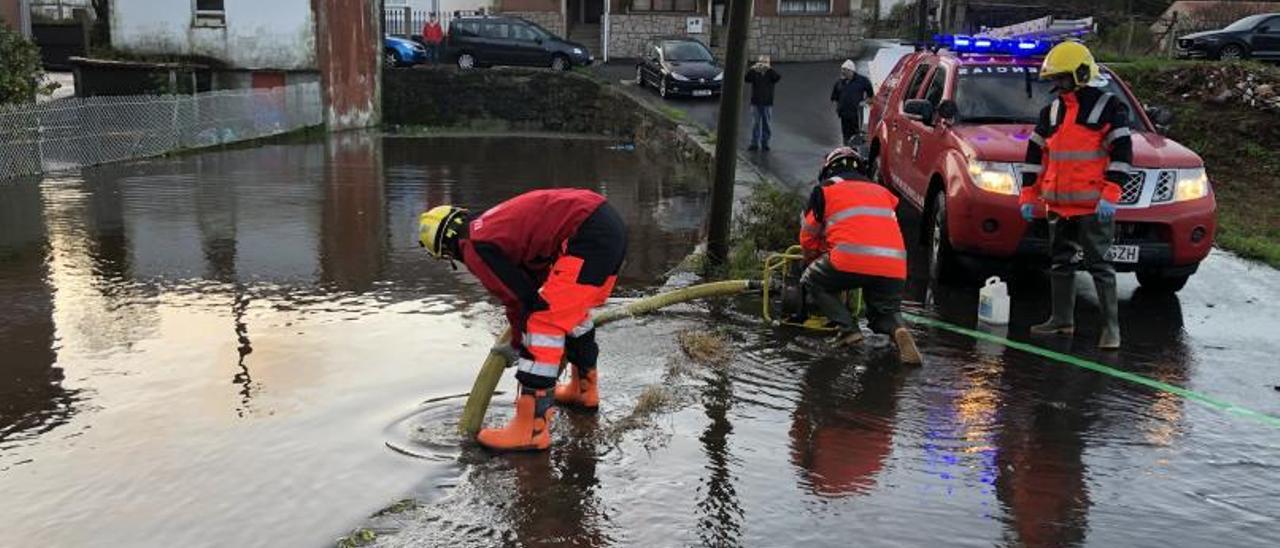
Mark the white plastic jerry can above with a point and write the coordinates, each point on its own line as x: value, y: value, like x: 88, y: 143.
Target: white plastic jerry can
x: 993, y: 302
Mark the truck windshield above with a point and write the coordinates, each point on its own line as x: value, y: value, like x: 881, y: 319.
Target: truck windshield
x: 1011, y: 94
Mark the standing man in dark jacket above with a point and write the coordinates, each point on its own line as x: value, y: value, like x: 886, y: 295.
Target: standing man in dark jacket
x: 762, y: 78
x: 849, y: 92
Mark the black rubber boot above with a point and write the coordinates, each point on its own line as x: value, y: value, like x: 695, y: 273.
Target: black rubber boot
x: 1062, y: 321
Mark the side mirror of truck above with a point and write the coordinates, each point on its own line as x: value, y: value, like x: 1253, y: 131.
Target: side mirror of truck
x: 1161, y: 117
x: 948, y: 110
x: 919, y: 110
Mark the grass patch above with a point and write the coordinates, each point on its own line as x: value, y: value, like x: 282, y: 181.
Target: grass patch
x: 673, y: 113
x: 1236, y: 141
x: 359, y: 537
x: 405, y: 505
x: 704, y: 347
x: 766, y: 222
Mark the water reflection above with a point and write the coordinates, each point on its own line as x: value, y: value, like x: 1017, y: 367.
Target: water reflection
x: 842, y: 428
x: 718, y: 511
x: 557, y: 499
x: 33, y: 400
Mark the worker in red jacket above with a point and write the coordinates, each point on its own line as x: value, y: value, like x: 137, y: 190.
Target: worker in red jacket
x: 433, y: 35
x: 550, y: 256
x: 851, y: 239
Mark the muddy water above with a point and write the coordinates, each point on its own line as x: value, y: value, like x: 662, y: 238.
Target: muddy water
x: 207, y: 350
x: 214, y: 350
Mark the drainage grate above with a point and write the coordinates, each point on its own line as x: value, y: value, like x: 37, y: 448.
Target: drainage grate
x: 1132, y: 190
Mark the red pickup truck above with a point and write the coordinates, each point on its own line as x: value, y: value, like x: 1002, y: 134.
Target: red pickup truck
x: 949, y: 130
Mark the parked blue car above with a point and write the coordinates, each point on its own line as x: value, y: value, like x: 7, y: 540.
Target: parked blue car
x: 401, y: 52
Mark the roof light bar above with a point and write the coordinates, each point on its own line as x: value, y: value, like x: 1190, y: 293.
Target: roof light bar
x: 998, y: 46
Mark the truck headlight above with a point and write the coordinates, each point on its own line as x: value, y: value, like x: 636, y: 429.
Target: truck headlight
x: 997, y: 177
x: 1193, y: 184
x: 680, y: 77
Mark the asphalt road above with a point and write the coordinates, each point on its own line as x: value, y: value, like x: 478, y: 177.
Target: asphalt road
x: 805, y: 126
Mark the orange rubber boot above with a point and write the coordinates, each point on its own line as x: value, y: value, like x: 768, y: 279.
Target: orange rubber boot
x: 579, y: 391
x: 529, y: 430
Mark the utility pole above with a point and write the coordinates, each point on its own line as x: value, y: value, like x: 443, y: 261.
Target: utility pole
x: 922, y: 11
x: 727, y: 134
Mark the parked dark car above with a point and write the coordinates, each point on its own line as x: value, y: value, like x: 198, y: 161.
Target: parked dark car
x: 484, y: 41
x: 400, y: 52
x: 679, y: 66
x: 1255, y: 36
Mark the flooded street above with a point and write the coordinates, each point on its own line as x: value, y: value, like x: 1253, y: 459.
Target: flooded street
x: 216, y: 349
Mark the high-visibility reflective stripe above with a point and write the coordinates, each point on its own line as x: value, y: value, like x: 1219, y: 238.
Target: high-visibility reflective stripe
x: 1030, y: 168
x: 1037, y: 139
x: 1086, y: 196
x: 1116, y: 134
x: 1069, y: 155
x: 545, y: 341
x: 538, y: 368
x: 1096, y: 113
x: 866, y: 211
x: 1122, y: 167
x: 1053, y: 112
x: 583, y: 328
x: 872, y: 250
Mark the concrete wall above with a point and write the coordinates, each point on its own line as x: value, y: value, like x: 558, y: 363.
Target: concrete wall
x: 275, y: 34
x: 348, y: 48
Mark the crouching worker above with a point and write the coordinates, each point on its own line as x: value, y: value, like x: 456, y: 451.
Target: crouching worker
x: 550, y: 256
x: 851, y: 240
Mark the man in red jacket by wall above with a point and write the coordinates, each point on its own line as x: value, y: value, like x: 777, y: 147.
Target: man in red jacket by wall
x: 433, y: 35
x: 550, y: 256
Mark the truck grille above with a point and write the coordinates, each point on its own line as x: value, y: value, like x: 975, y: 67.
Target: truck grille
x: 1164, y: 186
x: 1132, y: 190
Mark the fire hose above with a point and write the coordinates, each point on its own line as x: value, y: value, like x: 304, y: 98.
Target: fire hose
x: 491, y: 372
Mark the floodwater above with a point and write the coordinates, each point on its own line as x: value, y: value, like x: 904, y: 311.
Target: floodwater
x: 216, y: 350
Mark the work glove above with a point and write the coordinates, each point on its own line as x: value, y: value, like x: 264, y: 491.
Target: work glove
x: 1106, y: 210
x: 1028, y: 212
x: 507, y: 352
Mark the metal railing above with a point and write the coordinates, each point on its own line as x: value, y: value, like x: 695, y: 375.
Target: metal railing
x: 84, y: 131
x: 405, y: 22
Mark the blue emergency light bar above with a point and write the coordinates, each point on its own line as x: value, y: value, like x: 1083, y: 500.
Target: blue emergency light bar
x: 993, y: 46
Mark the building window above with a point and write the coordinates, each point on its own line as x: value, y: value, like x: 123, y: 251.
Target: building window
x: 803, y: 7
x: 210, y: 13
x: 664, y: 5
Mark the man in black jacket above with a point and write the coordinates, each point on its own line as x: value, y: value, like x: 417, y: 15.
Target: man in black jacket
x: 762, y: 78
x: 849, y: 92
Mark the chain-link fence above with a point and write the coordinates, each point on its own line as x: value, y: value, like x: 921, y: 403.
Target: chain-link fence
x: 84, y: 131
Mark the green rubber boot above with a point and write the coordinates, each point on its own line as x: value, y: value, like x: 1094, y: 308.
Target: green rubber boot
x: 1110, y: 339
x: 1062, y: 322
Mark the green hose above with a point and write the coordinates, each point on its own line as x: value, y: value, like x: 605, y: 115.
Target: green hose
x: 491, y: 372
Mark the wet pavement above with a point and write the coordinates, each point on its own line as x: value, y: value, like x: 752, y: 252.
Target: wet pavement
x: 215, y: 349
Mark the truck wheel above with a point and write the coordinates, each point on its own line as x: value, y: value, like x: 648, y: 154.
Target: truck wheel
x: 942, y: 259
x: 1158, y: 281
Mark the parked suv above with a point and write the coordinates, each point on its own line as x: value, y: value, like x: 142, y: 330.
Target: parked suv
x: 948, y: 131
x: 483, y: 41
x: 1254, y: 36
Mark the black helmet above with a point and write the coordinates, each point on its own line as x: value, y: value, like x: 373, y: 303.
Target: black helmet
x: 842, y: 160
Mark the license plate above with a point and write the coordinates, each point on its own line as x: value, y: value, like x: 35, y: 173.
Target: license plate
x: 701, y: 93
x: 1123, y: 254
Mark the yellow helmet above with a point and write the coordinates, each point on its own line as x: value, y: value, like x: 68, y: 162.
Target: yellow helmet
x: 1070, y: 58
x: 438, y: 224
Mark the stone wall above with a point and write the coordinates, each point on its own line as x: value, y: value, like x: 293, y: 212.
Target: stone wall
x: 628, y: 32
x: 536, y: 100
x: 550, y: 20
x: 790, y: 38
x: 807, y: 38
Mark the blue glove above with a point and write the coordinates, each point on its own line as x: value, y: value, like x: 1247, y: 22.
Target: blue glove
x: 1028, y: 212
x: 1106, y: 210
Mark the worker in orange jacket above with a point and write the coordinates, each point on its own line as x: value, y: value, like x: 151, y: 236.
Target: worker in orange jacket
x: 1076, y: 161
x: 851, y: 240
